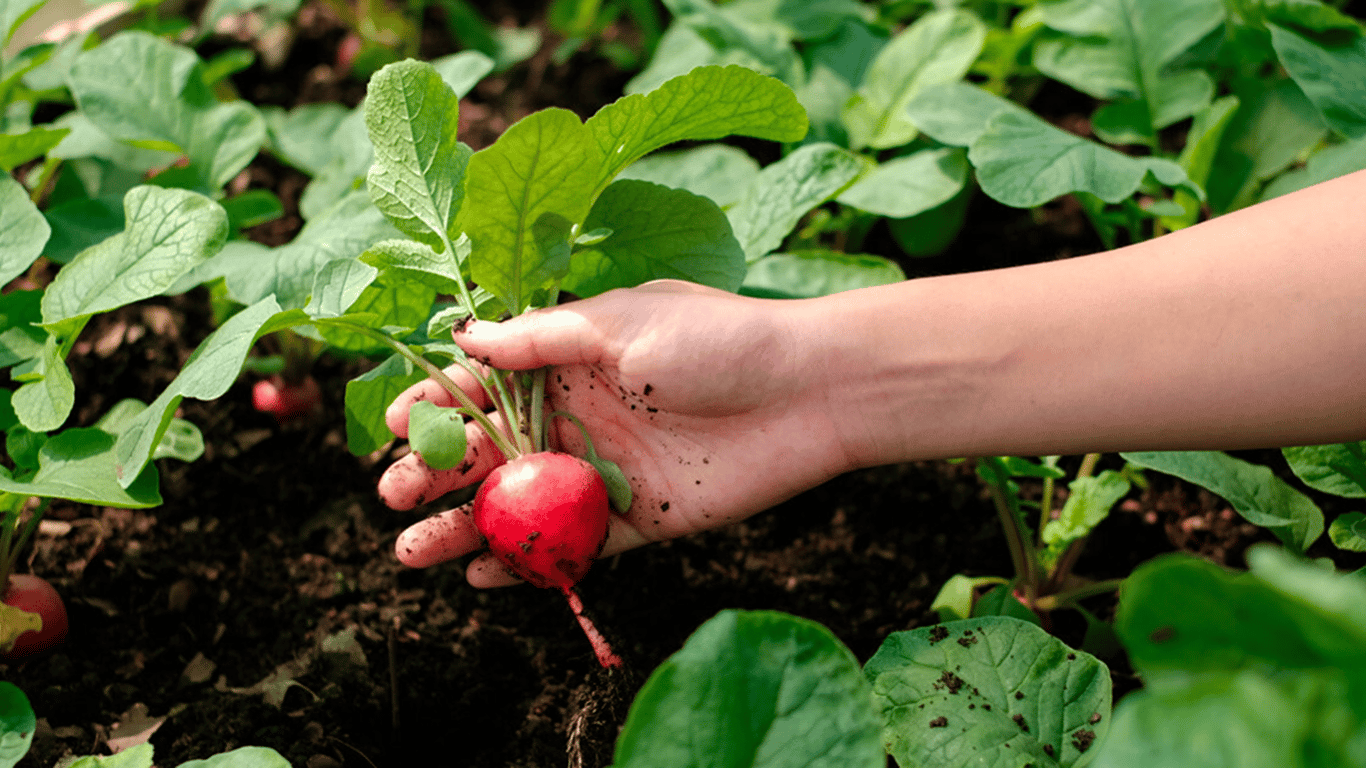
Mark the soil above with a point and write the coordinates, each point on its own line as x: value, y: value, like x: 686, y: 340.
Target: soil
x: 262, y: 604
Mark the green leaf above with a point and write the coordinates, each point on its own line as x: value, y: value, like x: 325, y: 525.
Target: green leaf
x: 78, y: 464
x: 1274, y: 125
x: 1001, y: 601
x: 45, y: 399
x: 437, y: 434
x: 958, y: 113
x: 1179, y: 612
x: 23, y: 230
x: 20, y: 340
x: 1253, y: 490
x: 1197, y: 157
x: 786, y: 190
x: 706, y: 103
x: 217, y: 10
x: 657, y: 233
x: 182, y: 440
x: 1024, y: 162
x: 81, y: 223
x: 938, y: 48
x: 253, y: 271
x: 911, y: 184
x: 717, y: 171
x: 757, y: 43
x: 420, y: 262
x: 754, y: 689
x: 251, y: 208
x: 167, y: 233
x: 1247, y: 719
x: 242, y: 757
x: 19, y: 148
x: 139, y: 88
x: 959, y: 593
x: 400, y: 304
x: 931, y: 232
x: 294, y: 134
x: 539, y: 173
x: 462, y: 71
x: 1123, y: 49
x: 1348, y: 532
x: 139, y: 756
x: 17, y: 724
x: 1332, y: 73
x: 338, y: 284
x: 988, y: 691
x: 367, y: 397
x: 808, y: 274
x: 1089, y: 501
x: 209, y: 372
x: 418, y: 177
x: 1337, y: 469
x: 1325, y: 164
x: 86, y: 140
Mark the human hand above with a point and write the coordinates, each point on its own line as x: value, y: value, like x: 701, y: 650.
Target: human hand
x: 712, y: 404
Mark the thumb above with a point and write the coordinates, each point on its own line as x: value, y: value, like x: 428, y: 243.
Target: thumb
x: 554, y: 336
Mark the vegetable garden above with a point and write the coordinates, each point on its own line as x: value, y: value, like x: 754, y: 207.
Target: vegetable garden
x: 231, y: 233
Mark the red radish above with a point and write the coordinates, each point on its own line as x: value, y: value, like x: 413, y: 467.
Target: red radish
x: 33, y: 594
x: 545, y: 517
x: 286, y: 401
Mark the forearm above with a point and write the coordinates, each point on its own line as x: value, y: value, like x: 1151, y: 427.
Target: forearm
x: 1245, y: 331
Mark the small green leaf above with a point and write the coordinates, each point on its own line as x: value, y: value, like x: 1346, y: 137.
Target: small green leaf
x: 988, y: 691
x: 368, y: 395
x: 1348, y: 532
x: 78, y: 464
x: 1327, y: 163
x: 337, y: 286
x: 786, y: 190
x: 1332, y: 73
x: 391, y: 304
x: 45, y: 399
x: 1024, y: 162
x: 242, y: 757
x: 139, y: 756
x: 462, y: 71
x: 23, y: 230
x: 717, y: 171
x: 81, y: 223
x: 1274, y: 126
x: 910, y: 184
x: 749, y: 39
x: 958, y: 595
x: 209, y: 372
x: 419, y: 262
x: 1338, y: 469
x: 1197, y: 157
x: 1253, y: 490
x: 418, y: 177
x: 167, y: 233
x: 251, y: 208
x: 958, y: 113
x: 808, y: 274
x: 437, y: 434
x: 294, y: 134
x: 656, y: 233
x: 706, y: 103
x: 17, y: 724
x: 541, y: 169
x: 1089, y: 501
x: 938, y: 48
x: 182, y: 440
x: 1001, y: 601
x: 19, y: 148
x: 754, y: 689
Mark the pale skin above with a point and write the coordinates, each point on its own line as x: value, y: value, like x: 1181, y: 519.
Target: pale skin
x: 1243, y: 331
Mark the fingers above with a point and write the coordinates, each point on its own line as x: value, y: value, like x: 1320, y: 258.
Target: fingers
x: 396, y: 416
x: 557, y: 336
x: 439, y: 538
x: 409, y: 482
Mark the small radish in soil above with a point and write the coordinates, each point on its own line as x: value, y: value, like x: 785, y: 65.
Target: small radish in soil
x: 34, y: 595
x: 545, y: 517
x: 286, y: 401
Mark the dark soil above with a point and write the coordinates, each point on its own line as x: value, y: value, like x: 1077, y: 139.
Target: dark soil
x: 262, y: 603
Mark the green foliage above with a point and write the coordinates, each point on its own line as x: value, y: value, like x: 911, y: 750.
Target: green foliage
x: 437, y: 434
x: 754, y: 689
x: 988, y: 691
x: 17, y: 723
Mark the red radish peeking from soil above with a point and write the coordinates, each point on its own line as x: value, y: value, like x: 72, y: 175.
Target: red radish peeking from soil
x: 33, y: 594
x: 287, y: 401
x: 545, y: 517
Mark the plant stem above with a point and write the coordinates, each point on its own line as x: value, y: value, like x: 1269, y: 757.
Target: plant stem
x: 1021, y: 557
x: 1065, y: 599
x: 1088, y: 465
x: 539, y: 433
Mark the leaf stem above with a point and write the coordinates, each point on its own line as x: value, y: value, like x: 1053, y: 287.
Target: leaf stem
x: 1068, y: 598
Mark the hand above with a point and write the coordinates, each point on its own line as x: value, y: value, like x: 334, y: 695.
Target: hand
x: 714, y: 405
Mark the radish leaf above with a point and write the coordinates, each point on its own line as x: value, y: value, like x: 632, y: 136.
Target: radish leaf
x: 367, y: 397
x: 17, y: 722
x: 992, y: 690
x: 911, y: 184
x: 717, y: 171
x: 437, y: 434
x: 78, y: 464
x: 754, y: 688
x: 23, y: 230
x: 1331, y: 72
x: 808, y: 274
x: 786, y: 190
x: 1337, y: 469
x: 656, y: 232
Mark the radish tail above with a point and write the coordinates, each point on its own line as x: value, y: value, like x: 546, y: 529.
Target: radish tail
x: 606, y: 656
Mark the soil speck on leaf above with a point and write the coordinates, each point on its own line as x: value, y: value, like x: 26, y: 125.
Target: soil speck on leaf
x: 939, y: 722
x: 1020, y: 721
x: 1048, y: 750
x: 949, y: 680
x: 1162, y: 634
x: 938, y: 634
x: 1083, y: 739
x: 1019, y: 695
x: 1095, y: 718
